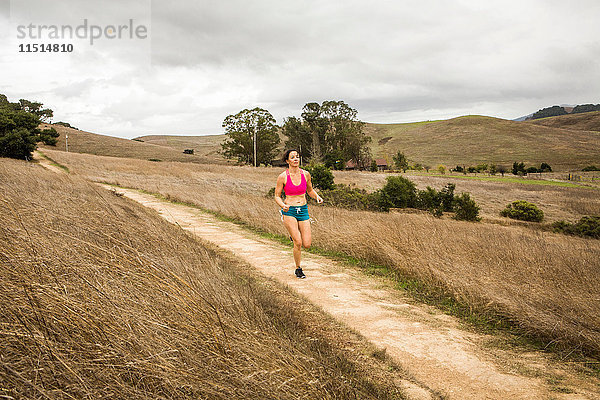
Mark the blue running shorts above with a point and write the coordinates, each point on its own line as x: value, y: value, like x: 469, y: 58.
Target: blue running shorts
x: 298, y: 212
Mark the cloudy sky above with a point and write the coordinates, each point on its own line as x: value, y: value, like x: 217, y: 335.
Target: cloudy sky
x: 192, y: 63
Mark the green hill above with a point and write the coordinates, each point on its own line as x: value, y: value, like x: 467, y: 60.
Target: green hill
x: 470, y: 140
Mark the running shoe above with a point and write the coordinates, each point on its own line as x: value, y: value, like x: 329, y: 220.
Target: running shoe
x: 299, y: 273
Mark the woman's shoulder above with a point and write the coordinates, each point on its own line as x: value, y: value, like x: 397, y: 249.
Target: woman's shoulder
x: 282, y: 174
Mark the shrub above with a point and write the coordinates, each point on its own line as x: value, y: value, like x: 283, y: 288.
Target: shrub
x: 523, y: 210
x: 587, y: 226
x: 374, y: 166
x: 398, y: 192
x: 321, y: 176
x: 545, y: 167
x: 532, y: 170
x: 446, y: 196
x: 352, y: 198
x: 518, y: 168
x: 465, y: 208
x: 591, y: 168
x: 428, y: 199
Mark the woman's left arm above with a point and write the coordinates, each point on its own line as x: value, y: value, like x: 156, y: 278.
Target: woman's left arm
x: 310, y: 190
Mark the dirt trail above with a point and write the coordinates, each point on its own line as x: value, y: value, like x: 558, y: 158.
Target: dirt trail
x: 429, y: 344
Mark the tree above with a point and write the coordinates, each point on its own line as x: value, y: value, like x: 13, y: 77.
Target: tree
x: 298, y: 137
x: 400, y: 161
x: 581, y: 108
x: 549, y: 112
x: 545, y: 167
x: 502, y: 169
x: 35, y: 108
x: 19, y: 131
x: 242, y: 129
x: 518, y: 168
x: 331, y: 133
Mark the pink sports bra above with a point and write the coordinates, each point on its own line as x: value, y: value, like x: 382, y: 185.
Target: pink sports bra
x: 293, y: 190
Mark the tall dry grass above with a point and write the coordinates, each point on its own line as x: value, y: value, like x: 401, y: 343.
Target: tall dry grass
x: 547, y: 283
x: 102, y: 298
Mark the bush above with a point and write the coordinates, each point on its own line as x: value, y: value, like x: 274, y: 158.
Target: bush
x: 588, y: 226
x: 523, y: 210
x: 545, y: 167
x: 465, y: 208
x: 591, y: 168
x: 398, y: 192
x: 532, y: 170
x: 352, y: 198
x: 436, y: 202
x: 322, y: 177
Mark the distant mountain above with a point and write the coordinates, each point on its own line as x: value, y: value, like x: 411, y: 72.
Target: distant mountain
x: 523, y: 118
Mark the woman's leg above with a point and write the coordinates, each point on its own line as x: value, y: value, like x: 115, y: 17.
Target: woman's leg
x: 304, y: 227
x: 291, y: 225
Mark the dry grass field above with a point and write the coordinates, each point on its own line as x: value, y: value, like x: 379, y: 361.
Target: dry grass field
x: 472, y: 140
x: 92, y: 143
x: 206, y: 146
x: 547, y: 283
x: 102, y: 298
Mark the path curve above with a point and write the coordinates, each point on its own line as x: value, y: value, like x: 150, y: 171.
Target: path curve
x: 429, y: 344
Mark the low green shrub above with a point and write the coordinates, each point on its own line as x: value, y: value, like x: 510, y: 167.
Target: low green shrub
x: 588, y: 226
x: 321, y: 176
x: 398, y: 192
x: 523, y: 210
x: 352, y: 198
x: 465, y: 208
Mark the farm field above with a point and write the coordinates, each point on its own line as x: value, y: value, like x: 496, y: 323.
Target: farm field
x: 547, y: 283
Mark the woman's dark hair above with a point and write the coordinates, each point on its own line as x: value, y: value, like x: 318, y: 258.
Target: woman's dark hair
x: 286, y: 155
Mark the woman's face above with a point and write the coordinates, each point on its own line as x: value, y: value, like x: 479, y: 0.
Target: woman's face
x: 293, y: 158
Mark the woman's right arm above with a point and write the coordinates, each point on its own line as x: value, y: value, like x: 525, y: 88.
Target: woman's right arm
x: 278, y: 190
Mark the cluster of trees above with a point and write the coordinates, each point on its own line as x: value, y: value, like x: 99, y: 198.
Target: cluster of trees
x: 492, y: 169
x: 549, y: 112
x: 519, y: 168
x: 558, y: 110
x: 330, y: 133
x: 582, y: 108
x: 327, y: 133
x: 19, y: 132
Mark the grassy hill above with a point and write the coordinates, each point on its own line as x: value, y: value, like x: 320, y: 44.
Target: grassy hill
x: 92, y: 143
x: 470, y: 140
x: 206, y: 146
x: 102, y: 298
x: 566, y: 142
x: 589, y: 121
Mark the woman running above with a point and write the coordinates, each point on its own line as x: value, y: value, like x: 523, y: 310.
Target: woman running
x: 296, y: 183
